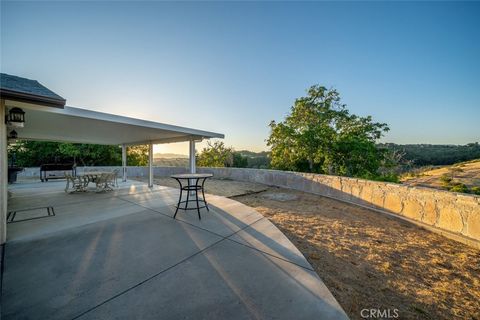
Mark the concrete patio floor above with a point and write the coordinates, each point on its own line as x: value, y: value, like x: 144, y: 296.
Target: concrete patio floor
x: 121, y: 255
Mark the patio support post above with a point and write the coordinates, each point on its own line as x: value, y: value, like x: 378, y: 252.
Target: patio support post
x: 124, y: 163
x: 192, y: 162
x: 193, y: 166
x: 3, y: 174
x: 150, y: 165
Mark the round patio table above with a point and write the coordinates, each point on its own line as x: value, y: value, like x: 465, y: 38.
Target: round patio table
x: 192, y: 182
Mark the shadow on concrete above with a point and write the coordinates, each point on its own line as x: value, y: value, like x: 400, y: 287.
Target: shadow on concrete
x: 147, y: 264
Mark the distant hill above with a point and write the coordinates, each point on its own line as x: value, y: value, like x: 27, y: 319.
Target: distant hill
x: 418, y: 155
x: 169, y: 156
x: 172, y: 162
x: 436, y: 154
x: 252, y: 154
x: 258, y: 160
x: 253, y: 159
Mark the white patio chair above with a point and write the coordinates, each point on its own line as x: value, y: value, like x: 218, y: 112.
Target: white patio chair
x: 105, y: 182
x: 116, y: 172
x: 77, y: 183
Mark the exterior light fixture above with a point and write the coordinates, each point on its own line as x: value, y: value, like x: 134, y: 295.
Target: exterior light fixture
x: 13, y: 135
x: 15, y: 118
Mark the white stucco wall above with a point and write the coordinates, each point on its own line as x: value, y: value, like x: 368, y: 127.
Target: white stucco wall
x: 3, y: 174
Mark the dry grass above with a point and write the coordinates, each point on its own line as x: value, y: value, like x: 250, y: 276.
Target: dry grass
x: 467, y: 173
x: 370, y: 260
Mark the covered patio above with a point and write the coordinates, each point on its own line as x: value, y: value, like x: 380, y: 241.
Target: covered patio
x: 47, y: 118
x: 120, y: 254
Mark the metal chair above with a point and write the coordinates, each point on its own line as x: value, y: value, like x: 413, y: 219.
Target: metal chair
x: 105, y: 182
x: 78, y: 184
x: 116, y: 172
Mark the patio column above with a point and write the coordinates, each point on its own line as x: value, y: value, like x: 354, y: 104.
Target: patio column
x: 193, y: 166
x: 3, y: 174
x: 150, y: 165
x: 124, y: 163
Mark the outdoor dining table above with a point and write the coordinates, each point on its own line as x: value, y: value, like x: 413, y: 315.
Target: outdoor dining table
x: 104, y: 181
x: 192, y: 182
x: 92, y: 176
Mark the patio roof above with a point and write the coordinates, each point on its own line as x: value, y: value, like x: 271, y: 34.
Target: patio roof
x: 86, y: 126
x: 69, y: 124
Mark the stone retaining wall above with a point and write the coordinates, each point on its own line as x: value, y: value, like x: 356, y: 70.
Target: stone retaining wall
x: 458, y: 214
x: 453, y: 212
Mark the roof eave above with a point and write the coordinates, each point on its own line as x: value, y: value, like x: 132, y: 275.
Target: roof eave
x: 91, y: 114
x: 32, y: 98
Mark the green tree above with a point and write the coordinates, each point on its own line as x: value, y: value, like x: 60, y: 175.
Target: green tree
x: 137, y: 155
x: 239, y: 161
x: 320, y: 135
x: 91, y: 154
x: 32, y: 153
x: 215, y: 155
x: 35, y: 153
x: 445, y: 180
x: 259, y: 160
x: 475, y: 190
x: 459, y: 187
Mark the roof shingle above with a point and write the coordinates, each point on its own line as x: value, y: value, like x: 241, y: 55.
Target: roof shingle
x: 26, y: 88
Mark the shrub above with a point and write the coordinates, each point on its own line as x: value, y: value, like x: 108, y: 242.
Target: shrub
x: 390, y: 177
x: 459, y: 187
x: 445, y: 179
x: 475, y: 190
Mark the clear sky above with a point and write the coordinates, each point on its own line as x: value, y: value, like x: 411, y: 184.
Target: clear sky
x: 234, y: 67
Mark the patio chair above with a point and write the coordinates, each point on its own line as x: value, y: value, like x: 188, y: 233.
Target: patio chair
x: 105, y: 182
x: 78, y: 184
x: 116, y: 172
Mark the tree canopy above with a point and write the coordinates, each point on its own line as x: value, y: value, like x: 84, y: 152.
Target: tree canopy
x: 320, y: 135
x: 218, y: 155
x: 436, y: 154
x: 34, y: 153
x: 215, y: 155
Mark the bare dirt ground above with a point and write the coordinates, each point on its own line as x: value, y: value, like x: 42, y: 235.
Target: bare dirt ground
x: 369, y: 260
x: 467, y: 173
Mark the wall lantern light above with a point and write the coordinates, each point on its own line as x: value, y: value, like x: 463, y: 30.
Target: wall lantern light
x: 15, y: 118
x: 13, y: 135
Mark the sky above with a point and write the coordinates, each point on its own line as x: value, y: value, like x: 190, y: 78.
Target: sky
x: 232, y: 67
